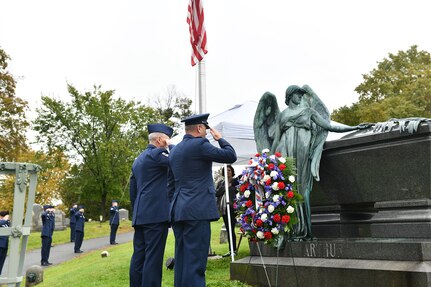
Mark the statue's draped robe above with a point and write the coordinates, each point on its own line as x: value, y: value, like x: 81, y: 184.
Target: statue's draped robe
x: 296, y: 140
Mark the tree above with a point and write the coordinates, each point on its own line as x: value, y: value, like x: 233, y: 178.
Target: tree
x: 13, y: 123
x: 103, y: 135
x: 399, y: 87
x: 172, y: 107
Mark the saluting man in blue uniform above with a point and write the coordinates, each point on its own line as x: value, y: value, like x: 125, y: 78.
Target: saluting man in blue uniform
x: 72, y: 213
x: 194, y: 201
x: 51, y: 213
x: 46, y: 234
x: 114, y: 221
x: 4, y: 240
x: 149, y: 198
x: 79, y: 229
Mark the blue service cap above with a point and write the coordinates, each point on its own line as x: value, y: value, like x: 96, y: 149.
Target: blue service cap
x: 160, y: 128
x: 46, y: 206
x: 81, y: 206
x: 197, y: 119
x: 3, y: 213
x: 114, y: 200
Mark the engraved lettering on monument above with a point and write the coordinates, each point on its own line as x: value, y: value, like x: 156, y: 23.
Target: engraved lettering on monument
x: 310, y: 250
x: 322, y: 250
x: 330, y: 250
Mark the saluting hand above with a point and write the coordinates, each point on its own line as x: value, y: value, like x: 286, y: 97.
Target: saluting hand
x: 216, y: 134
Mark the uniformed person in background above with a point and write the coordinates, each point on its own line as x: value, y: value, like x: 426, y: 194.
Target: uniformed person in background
x: 4, y: 240
x: 149, y: 198
x: 114, y: 221
x: 194, y: 201
x: 46, y: 234
x: 79, y: 229
x: 72, y: 213
x: 51, y: 213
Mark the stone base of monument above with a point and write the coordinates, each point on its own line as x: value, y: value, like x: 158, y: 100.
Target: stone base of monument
x: 338, y: 262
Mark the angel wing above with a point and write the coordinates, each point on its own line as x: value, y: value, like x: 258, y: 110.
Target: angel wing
x: 319, y: 134
x: 264, y: 121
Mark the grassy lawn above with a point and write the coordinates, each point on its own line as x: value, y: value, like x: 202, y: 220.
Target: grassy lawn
x: 92, y: 230
x: 92, y: 270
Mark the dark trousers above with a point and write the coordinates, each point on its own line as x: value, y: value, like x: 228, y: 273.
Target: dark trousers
x: 72, y: 232
x: 79, y: 237
x: 3, y: 253
x: 114, y: 228
x: 46, y: 248
x: 149, y: 243
x: 192, y: 242
x: 226, y: 224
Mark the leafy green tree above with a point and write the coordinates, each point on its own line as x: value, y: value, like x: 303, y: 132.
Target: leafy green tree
x: 13, y: 123
x: 399, y: 87
x: 103, y: 135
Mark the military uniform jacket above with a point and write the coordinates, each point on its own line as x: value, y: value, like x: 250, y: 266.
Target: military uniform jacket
x: 148, y: 186
x: 46, y: 224
x: 72, y: 213
x: 191, y: 164
x: 80, y: 221
x: 4, y: 239
x: 52, y: 222
x: 114, y: 215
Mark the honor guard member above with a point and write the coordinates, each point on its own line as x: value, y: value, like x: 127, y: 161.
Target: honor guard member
x: 114, y: 221
x: 46, y: 235
x: 79, y: 229
x: 194, y: 201
x: 149, y: 197
x: 52, y: 221
x: 72, y: 213
x: 4, y: 240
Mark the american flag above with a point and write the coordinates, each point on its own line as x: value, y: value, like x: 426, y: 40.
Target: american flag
x: 198, y: 35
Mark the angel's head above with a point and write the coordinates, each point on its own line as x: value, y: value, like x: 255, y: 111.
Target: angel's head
x: 292, y: 90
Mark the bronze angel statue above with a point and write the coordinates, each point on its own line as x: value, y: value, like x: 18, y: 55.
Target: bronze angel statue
x: 300, y: 132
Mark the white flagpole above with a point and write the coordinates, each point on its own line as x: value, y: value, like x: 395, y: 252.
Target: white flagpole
x: 228, y: 203
x: 202, y: 87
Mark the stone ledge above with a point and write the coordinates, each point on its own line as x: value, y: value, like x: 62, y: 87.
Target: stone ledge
x: 357, y: 249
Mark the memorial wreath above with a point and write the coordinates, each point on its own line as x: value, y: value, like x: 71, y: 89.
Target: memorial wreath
x: 267, y: 198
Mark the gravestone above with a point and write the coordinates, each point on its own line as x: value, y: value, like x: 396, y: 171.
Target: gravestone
x: 371, y: 218
x: 124, y: 214
x: 60, y: 220
x: 36, y: 221
x: 223, y: 235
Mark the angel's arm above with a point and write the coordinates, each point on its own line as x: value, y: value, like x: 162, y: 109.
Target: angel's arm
x: 339, y: 128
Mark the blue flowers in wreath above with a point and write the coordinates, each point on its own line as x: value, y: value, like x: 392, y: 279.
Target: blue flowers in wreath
x: 267, y: 198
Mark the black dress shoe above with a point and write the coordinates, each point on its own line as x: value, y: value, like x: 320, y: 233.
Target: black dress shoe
x: 49, y: 263
x: 45, y: 264
x: 114, y: 243
x: 78, y: 251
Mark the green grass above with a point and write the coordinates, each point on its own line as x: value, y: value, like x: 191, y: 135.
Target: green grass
x: 92, y: 230
x: 90, y: 269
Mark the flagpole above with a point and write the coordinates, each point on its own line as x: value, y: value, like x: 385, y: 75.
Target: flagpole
x: 202, y: 87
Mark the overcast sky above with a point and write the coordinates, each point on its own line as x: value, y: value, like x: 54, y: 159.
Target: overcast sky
x: 139, y: 47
